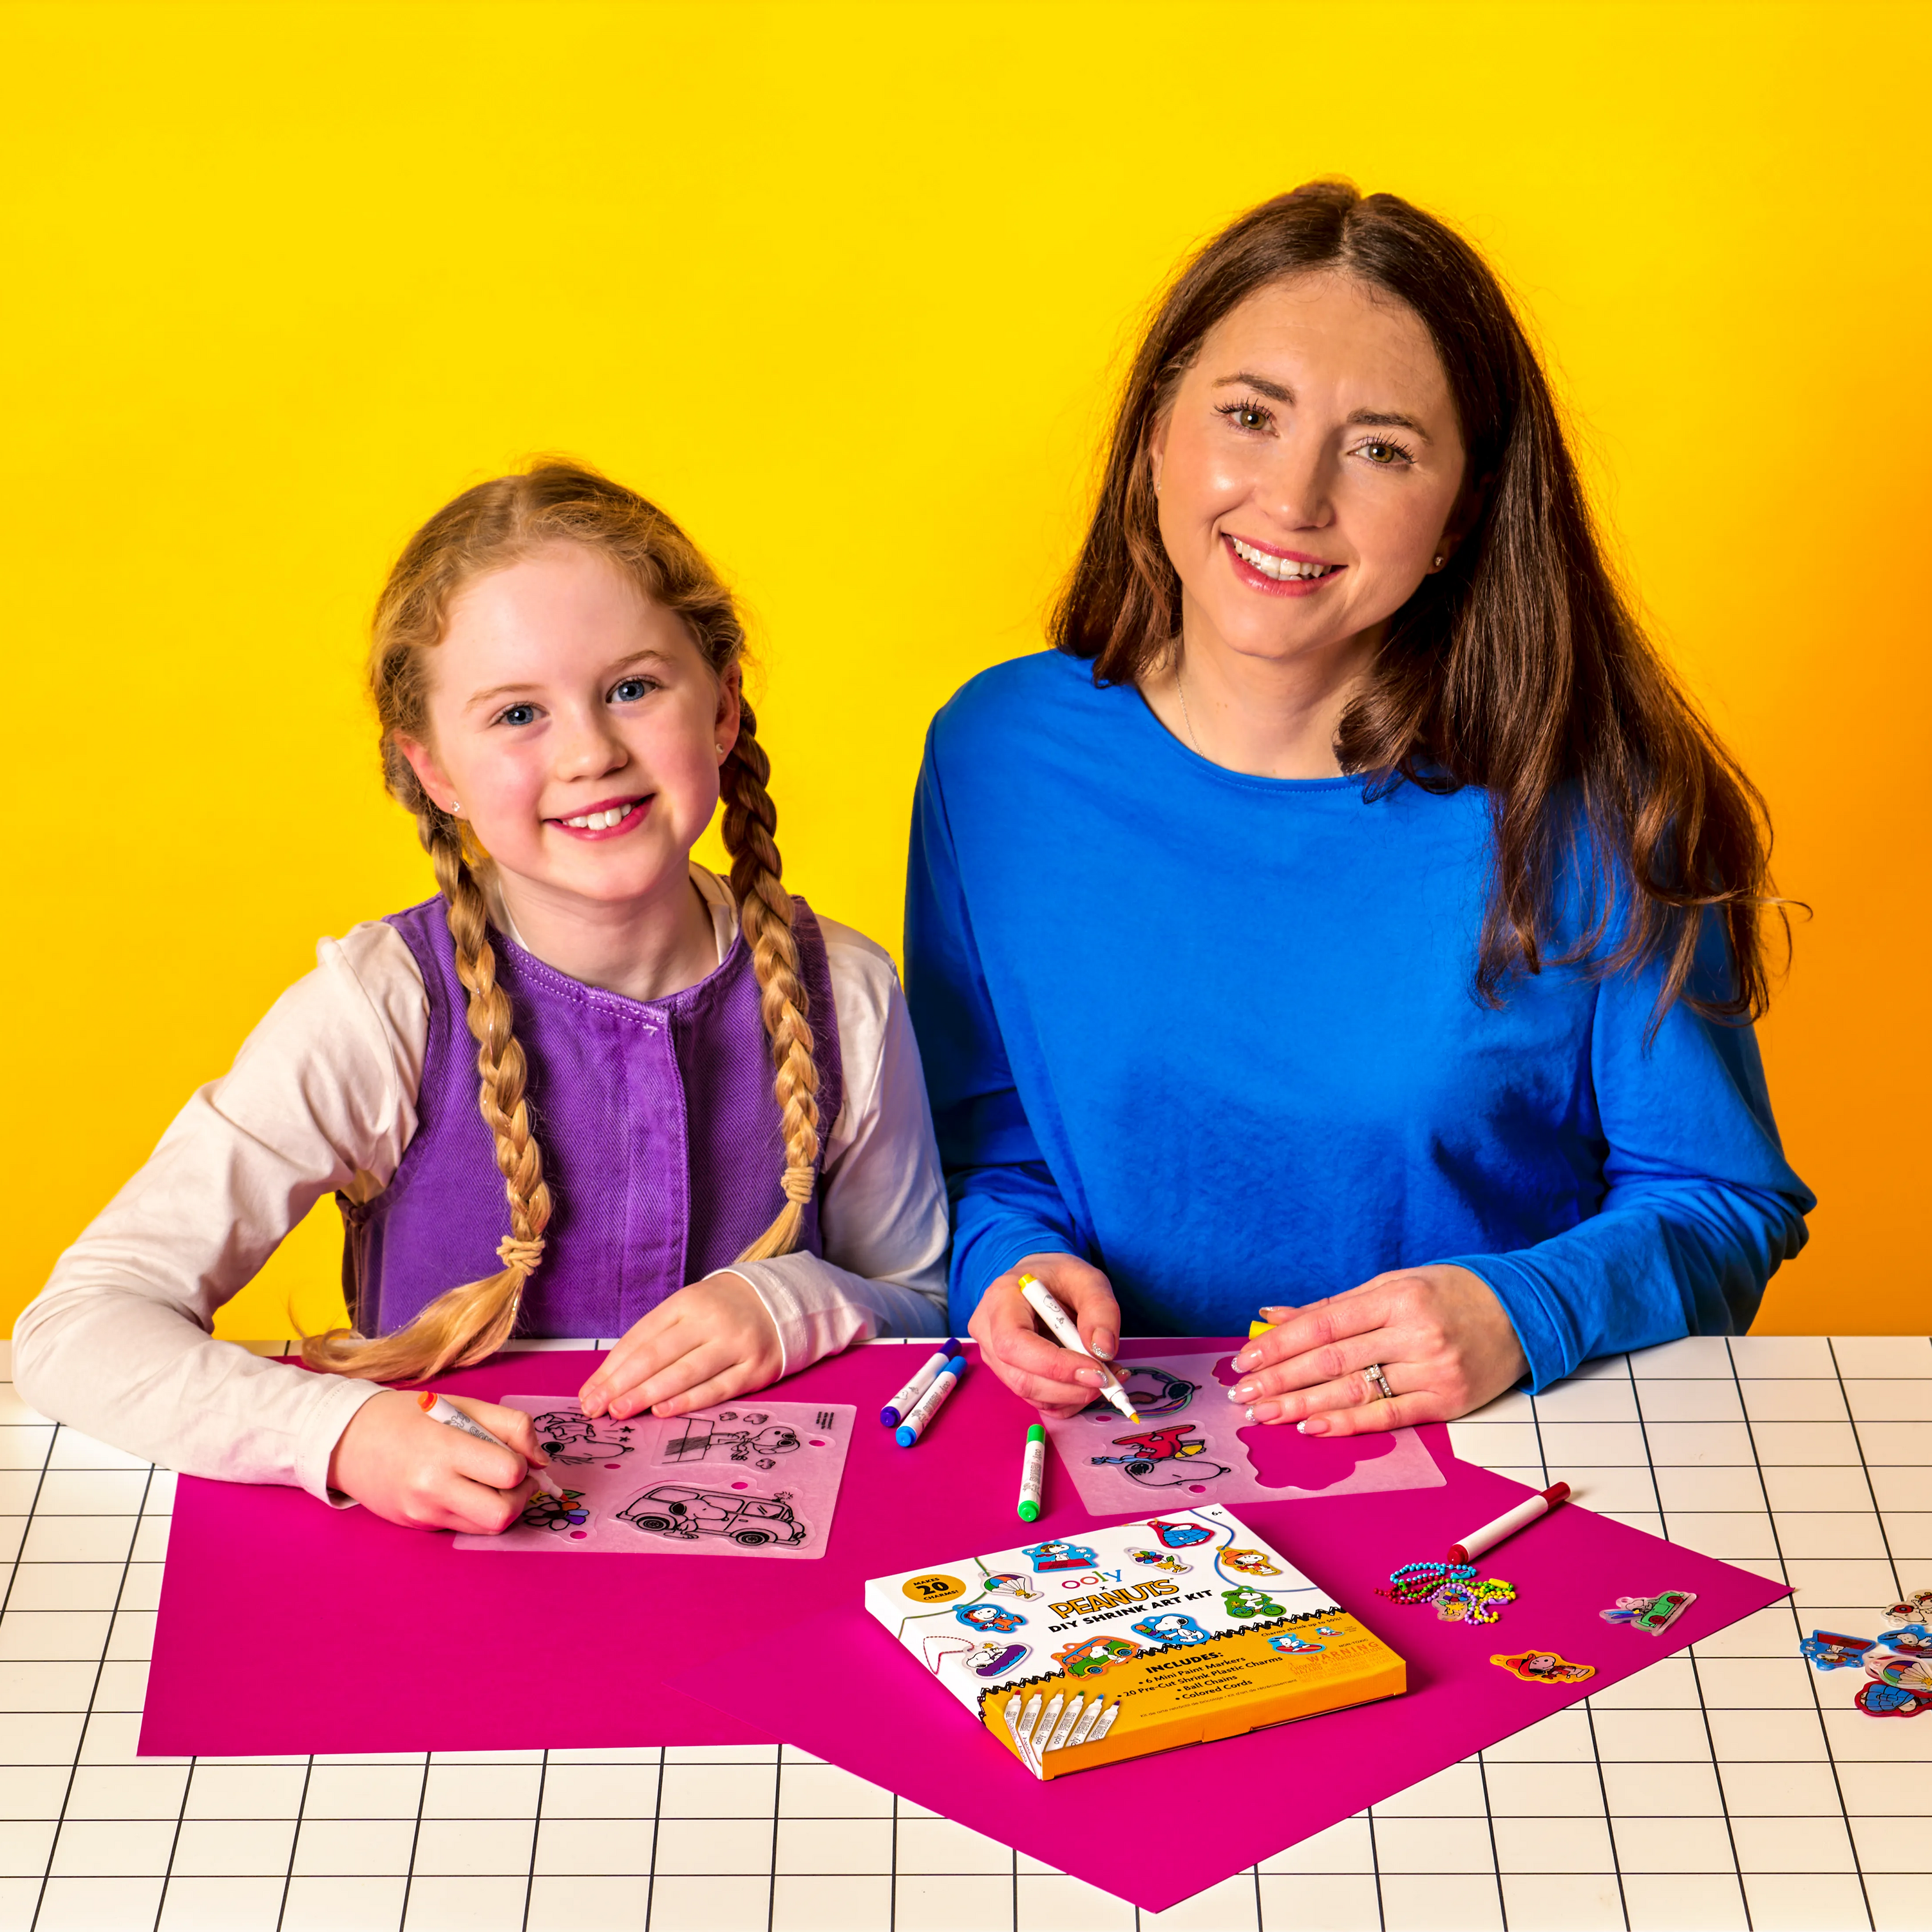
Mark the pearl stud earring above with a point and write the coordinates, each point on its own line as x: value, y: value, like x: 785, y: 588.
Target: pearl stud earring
x: 1439, y: 561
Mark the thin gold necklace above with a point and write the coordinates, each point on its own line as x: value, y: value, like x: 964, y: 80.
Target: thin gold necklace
x: 1180, y: 684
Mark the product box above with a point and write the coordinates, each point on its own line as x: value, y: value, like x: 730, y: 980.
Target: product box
x: 1116, y: 1642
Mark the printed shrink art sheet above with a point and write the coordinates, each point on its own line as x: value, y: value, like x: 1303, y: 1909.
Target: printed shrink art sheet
x: 740, y: 1479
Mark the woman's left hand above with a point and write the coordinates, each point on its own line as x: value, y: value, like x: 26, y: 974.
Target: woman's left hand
x: 1439, y: 1334
x: 706, y: 1343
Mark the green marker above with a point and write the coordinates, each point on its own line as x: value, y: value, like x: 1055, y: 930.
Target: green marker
x: 1032, y: 1473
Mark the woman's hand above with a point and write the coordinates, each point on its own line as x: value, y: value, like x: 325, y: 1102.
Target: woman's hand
x: 426, y: 1475
x: 1441, y: 1338
x: 1036, y: 1368
x: 706, y: 1343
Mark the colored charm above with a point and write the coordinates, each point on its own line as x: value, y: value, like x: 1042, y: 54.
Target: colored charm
x: 1290, y: 1645
x: 1179, y: 1535
x: 1458, y: 1595
x: 1916, y: 1608
x: 1651, y: 1614
x: 1170, y: 1627
x: 1915, y: 1639
x: 1159, y: 1559
x: 989, y: 1617
x: 1152, y: 1390
x: 1480, y: 1602
x: 1006, y: 1585
x: 1544, y: 1666
x: 1889, y: 1700
x: 1093, y: 1656
x: 1826, y: 1650
x: 1250, y: 1563
x: 1247, y: 1601
x: 1063, y: 1556
x: 556, y: 1513
x: 1157, y: 1458
x: 992, y: 1659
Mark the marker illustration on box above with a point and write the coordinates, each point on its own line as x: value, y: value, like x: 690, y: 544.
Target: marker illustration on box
x: 723, y: 1481
x: 1123, y: 1658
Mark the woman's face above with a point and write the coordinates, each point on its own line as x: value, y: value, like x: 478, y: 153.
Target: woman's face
x: 1309, y: 469
x: 578, y: 727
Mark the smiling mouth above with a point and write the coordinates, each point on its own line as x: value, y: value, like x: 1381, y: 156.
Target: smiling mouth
x: 603, y: 817
x: 1283, y: 569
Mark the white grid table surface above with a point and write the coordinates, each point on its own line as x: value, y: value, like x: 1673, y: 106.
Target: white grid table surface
x: 1727, y: 1785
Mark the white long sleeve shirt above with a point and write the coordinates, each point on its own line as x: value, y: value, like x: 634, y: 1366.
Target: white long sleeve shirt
x: 118, y: 1343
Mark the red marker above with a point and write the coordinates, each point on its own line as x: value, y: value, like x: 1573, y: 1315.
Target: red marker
x: 1491, y: 1534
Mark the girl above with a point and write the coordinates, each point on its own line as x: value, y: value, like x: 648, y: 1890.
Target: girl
x: 1352, y: 917
x: 703, y: 1106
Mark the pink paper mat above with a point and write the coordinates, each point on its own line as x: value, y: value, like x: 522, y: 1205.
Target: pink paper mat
x: 1212, y: 1810
x: 446, y: 1653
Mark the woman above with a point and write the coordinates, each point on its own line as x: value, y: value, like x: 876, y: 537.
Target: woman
x: 1352, y: 918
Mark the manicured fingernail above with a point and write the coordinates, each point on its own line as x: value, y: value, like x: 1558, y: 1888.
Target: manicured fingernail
x: 1091, y: 1378
x: 1316, y: 1425
x: 1277, y: 1314
x: 1246, y: 1359
x: 1105, y: 1344
x: 1244, y: 1391
x: 1265, y: 1411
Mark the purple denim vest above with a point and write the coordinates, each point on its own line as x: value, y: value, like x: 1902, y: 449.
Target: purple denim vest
x: 662, y: 1139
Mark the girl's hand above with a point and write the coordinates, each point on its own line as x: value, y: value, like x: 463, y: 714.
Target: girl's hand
x: 706, y: 1343
x: 426, y: 1475
x: 1031, y: 1363
x: 1439, y: 1334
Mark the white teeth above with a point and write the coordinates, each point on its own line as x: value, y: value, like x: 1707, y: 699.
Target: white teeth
x: 599, y: 821
x: 1281, y: 569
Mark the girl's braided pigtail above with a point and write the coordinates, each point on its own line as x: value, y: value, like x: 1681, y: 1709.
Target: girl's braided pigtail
x: 463, y: 1325
x: 764, y: 910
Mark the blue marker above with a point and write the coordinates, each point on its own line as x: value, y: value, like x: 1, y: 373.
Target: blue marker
x: 927, y: 1407
x: 896, y: 1411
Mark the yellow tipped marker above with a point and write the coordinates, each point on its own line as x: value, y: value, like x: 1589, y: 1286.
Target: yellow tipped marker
x: 1040, y: 1299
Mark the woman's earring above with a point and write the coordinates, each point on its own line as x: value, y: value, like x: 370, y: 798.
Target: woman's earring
x: 719, y: 749
x: 1439, y: 562
x: 455, y: 808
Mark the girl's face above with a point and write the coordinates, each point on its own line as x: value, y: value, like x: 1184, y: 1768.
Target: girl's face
x: 1309, y: 469
x: 577, y: 727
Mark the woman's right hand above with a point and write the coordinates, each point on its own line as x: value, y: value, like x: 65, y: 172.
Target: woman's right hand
x: 426, y: 1475
x: 1055, y: 1380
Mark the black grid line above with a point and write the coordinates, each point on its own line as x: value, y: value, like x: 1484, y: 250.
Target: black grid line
x: 1004, y: 1897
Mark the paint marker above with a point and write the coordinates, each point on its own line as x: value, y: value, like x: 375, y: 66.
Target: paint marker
x: 1106, y: 1724
x: 1028, y: 1719
x: 1011, y: 1715
x: 927, y: 1407
x: 440, y: 1409
x: 895, y: 1411
x: 1049, y: 1718
x: 1068, y: 1718
x: 1258, y: 1328
x: 1086, y: 1724
x: 1491, y: 1534
x: 1032, y: 1473
x: 1040, y: 1299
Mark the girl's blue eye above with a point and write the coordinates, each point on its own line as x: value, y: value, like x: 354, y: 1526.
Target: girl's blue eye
x: 519, y: 714
x: 629, y: 690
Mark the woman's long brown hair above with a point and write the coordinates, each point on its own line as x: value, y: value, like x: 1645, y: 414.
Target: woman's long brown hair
x: 1520, y: 668
x: 495, y: 524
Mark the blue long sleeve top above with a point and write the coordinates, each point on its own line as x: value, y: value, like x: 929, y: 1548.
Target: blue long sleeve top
x: 1219, y: 1036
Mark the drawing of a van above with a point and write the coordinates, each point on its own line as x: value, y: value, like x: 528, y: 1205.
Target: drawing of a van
x: 675, y: 1509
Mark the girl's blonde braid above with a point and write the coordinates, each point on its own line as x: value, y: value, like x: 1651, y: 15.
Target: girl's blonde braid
x: 764, y: 910
x: 463, y: 1325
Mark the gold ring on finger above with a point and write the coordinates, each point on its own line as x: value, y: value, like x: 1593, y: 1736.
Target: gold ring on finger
x: 1373, y: 1373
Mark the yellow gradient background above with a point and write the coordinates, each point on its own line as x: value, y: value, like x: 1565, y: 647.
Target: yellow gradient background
x: 847, y: 288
